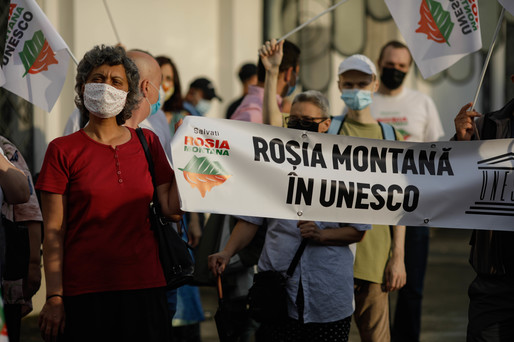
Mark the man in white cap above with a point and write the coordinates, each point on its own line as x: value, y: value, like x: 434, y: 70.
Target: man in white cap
x: 379, y: 266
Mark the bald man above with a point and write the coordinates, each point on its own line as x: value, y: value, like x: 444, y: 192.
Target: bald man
x: 150, y: 78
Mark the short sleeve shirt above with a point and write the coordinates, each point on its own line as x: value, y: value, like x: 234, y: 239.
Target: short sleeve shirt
x: 325, y: 272
x: 373, y: 251
x: 251, y: 106
x: 108, y: 243
x: 411, y: 112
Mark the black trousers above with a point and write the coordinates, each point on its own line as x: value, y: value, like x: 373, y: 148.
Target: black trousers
x: 134, y: 315
x: 491, y: 309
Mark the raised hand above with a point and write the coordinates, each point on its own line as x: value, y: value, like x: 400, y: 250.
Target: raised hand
x: 271, y: 54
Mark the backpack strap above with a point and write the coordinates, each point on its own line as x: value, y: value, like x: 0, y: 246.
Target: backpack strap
x: 388, y: 131
x: 336, y: 124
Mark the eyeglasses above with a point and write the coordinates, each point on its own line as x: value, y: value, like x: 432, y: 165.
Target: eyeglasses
x: 304, y: 122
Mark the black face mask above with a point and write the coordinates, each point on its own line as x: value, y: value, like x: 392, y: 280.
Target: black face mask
x: 392, y: 78
x: 305, y: 125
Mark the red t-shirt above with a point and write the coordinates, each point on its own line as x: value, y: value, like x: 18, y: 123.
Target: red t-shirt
x: 108, y: 244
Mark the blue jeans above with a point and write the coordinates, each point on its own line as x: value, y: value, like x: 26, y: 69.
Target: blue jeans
x: 407, y: 317
x: 171, y: 297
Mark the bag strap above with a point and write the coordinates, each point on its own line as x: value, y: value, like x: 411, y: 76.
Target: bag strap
x: 336, y: 124
x: 297, y: 257
x: 388, y: 132
x: 149, y: 159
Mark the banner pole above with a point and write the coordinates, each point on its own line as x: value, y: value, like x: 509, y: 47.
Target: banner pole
x: 72, y: 56
x: 489, y: 53
x: 112, y: 22
x: 311, y: 20
x: 486, y: 63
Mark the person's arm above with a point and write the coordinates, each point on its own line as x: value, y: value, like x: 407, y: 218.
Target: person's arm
x: 395, y: 274
x: 13, y: 182
x: 271, y: 57
x: 52, y: 318
x: 194, y: 229
x: 341, y: 236
x: 241, y: 236
x: 33, y: 280
x: 167, y: 194
x: 465, y: 123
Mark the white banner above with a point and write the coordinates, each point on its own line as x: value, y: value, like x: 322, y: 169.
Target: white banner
x: 438, y: 32
x: 35, y: 60
x: 242, y: 168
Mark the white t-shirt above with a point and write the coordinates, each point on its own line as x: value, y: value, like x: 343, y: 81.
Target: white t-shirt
x: 411, y: 112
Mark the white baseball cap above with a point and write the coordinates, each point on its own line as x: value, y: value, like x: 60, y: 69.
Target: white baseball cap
x: 359, y: 63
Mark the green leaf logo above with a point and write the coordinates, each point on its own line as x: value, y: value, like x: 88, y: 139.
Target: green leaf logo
x: 37, y: 54
x: 435, y: 22
x: 203, y: 174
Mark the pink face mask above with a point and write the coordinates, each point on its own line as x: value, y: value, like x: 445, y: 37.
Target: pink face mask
x: 103, y: 100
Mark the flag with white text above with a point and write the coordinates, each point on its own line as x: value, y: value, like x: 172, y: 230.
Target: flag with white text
x: 35, y: 60
x: 438, y: 32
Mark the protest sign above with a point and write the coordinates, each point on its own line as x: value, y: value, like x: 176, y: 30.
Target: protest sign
x: 242, y: 168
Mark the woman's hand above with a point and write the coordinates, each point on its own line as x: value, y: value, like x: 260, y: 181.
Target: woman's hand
x: 217, y: 262
x: 52, y: 319
x: 310, y: 230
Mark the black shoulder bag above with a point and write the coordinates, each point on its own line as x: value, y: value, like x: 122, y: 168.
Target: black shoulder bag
x: 176, y: 261
x: 267, y: 298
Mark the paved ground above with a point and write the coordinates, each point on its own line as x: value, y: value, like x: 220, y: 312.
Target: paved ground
x: 444, y: 307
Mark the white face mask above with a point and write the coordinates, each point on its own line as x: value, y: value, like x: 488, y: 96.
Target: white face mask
x: 103, y: 100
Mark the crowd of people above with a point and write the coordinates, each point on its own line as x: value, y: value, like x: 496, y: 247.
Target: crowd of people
x: 103, y: 276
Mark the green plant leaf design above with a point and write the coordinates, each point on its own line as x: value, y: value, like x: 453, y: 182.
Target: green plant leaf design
x: 204, y: 166
x: 32, y: 49
x: 442, y: 19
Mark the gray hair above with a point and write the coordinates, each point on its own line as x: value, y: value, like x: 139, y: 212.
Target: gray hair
x: 110, y: 55
x: 316, y: 98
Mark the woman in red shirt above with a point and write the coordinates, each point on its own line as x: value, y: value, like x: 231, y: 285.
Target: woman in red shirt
x: 103, y: 276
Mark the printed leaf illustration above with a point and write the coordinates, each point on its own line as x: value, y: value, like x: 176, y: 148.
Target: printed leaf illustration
x: 37, y: 54
x: 202, y: 174
x: 435, y: 22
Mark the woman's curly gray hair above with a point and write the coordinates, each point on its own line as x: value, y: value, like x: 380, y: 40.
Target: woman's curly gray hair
x: 316, y: 98
x: 110, y: 55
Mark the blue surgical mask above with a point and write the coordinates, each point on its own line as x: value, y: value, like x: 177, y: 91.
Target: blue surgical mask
x: 203, y: 106
x: 157, y: 105
x: 356, y: 99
